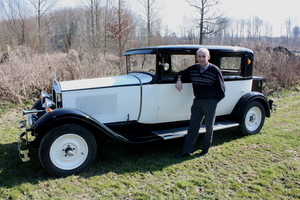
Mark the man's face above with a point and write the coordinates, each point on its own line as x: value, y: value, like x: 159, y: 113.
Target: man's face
x: 203, y: 58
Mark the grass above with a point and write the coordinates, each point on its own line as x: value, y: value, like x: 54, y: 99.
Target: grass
x: 262, y: 166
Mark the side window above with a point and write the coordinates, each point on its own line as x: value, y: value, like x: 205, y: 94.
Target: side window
x: 231, y: 65
x: 181, y: 62
x: 141, y: 62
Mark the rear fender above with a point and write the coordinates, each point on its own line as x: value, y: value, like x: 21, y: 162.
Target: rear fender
x: 62, y: 116
x: 247, y: 98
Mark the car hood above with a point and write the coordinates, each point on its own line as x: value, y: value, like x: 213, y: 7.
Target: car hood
x: 114, y: 81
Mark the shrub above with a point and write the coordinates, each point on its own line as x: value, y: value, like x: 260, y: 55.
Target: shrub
x: 278, y: 66
x: 24, y: 73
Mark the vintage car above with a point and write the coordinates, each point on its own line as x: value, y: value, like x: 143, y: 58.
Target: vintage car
x: 141, y: 106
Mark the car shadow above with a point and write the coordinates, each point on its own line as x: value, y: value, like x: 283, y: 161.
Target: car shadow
x: 112, y: 157
x: 155, y: 156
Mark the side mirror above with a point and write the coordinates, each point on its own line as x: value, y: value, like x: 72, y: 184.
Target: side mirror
x: 166, y: 66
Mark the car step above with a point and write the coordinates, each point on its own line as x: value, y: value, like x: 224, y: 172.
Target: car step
x: 182, y: 131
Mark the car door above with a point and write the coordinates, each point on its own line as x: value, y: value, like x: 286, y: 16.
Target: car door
x: 174, y: 105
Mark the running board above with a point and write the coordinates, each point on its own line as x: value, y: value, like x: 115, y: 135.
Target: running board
x: 182, y: 131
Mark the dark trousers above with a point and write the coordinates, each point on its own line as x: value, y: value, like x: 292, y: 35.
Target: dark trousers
x: 201, y: 109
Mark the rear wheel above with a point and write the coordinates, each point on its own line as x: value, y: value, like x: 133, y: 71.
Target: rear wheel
x: 253, y: 118
x: 67, y: 149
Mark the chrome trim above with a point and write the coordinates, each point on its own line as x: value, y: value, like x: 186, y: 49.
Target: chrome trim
x: 48, y: 104
x: 32, y: 118
x: 56, y: 87
x: 57, y: 93
x: 23, y: 153
x: 26, y: 112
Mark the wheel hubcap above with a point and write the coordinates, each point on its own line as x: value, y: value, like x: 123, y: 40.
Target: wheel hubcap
x: 253, y: 118
x: 68, y: 151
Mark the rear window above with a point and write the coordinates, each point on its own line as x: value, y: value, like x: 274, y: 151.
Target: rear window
x: 231, y: 65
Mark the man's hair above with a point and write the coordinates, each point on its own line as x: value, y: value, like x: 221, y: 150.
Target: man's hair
x: 205, y: 50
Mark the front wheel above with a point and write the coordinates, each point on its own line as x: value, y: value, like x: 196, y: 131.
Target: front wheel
x: 253, y: 118
x: 67, y: 149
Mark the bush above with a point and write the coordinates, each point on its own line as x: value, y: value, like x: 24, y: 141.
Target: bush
x: 278, y: 66
x: 24, y: 73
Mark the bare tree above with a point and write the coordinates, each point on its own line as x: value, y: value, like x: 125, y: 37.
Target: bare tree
x: 296, y: 33
x: 150, y: 11
x: 207, y: 18
x: 237, y: 30
x: 120, y: 28
x: 94, y: 8
x: 254, y: 25
x: 268, y: 30
x: 16, y: 12
x: 64, y: 28
x: 220, y: 30
x: 41, y: 7
x: 257, y: 24
x: 288, y: 28
x: 106, y: 18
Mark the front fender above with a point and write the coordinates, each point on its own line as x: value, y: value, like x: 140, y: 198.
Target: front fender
x: 63, y: 115
x: 245, y: 99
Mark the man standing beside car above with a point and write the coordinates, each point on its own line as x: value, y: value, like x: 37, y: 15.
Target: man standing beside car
x: 209, y: 90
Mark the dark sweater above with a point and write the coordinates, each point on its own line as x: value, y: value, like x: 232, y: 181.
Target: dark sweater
x: 209, y: 84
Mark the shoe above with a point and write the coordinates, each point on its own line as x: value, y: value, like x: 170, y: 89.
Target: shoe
x: 203, y: 153
x: 181, y: 155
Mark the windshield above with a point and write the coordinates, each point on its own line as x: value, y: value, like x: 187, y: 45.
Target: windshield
x: 141, y: 62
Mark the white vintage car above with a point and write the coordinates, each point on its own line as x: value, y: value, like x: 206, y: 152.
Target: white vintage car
x: 141, y: 106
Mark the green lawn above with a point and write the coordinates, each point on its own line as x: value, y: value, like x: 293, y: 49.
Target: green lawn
x: 262, y: 166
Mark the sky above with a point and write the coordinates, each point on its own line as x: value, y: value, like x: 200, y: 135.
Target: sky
x: 274, y: 12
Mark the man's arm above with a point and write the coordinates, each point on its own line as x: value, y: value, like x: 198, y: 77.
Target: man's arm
x: 182, y: 77
x: 178, y: 84
x: 220, y: 86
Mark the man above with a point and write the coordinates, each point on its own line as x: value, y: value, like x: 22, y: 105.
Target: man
x: 209, y: 89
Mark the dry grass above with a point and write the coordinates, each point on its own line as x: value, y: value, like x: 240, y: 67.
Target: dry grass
x: 279, y: 67
x: 25, y: 73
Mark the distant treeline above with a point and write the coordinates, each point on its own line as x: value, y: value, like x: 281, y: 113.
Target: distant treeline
x: 112, y: 27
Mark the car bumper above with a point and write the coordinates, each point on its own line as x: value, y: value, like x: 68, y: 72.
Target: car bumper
x: 23, y: 141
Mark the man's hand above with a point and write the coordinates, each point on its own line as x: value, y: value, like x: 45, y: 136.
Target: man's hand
x: 178, y: 85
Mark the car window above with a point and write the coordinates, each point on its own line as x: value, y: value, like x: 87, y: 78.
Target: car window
x: 142, y: 62
x: 230, y: 65
x: 181, y: 62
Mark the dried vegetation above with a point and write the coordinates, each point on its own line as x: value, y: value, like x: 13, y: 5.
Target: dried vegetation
x: 24, y: 73
x: 279, y: 67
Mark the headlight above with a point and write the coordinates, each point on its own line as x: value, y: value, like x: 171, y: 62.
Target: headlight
x: 48, y: 104
x: 44, y: 95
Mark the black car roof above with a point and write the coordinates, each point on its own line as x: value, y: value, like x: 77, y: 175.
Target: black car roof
x: 189, y: 48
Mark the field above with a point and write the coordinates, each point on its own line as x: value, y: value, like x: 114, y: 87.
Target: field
x: 262, y: 166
